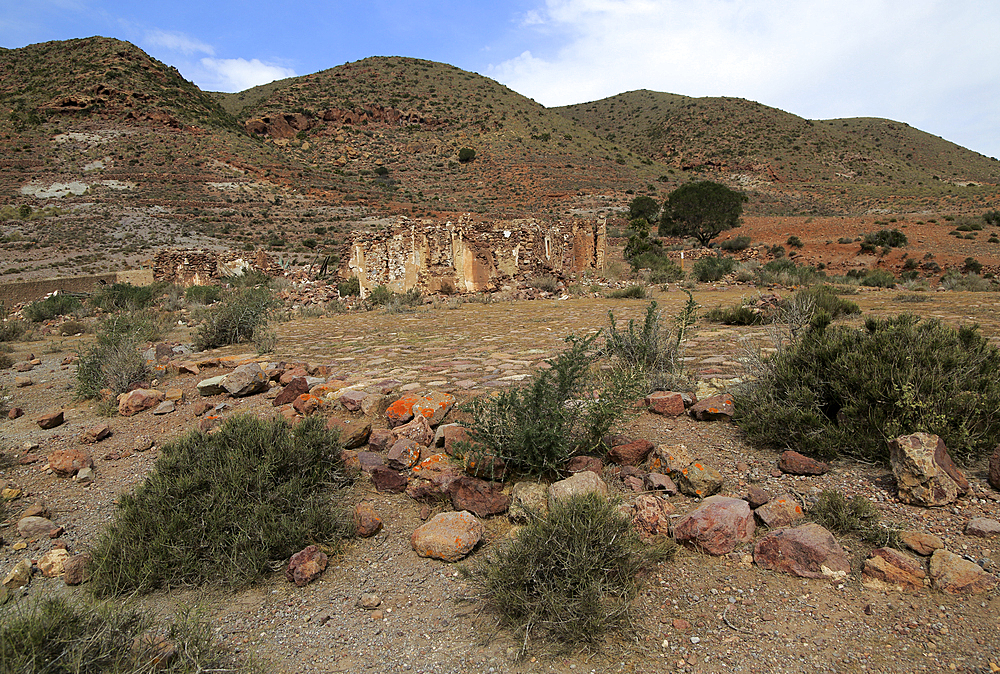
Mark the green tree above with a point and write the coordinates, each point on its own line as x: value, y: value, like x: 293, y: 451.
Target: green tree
x: 702, y: 209
x: 466, y: 154
x: 643, y: 207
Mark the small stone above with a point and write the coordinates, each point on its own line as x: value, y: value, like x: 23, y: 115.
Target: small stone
x: 528, y: 501
x: 717, y: 525
x: 807, y: 551
x: 15, y: 413
x: 921, y: 542
x: 479, y: 497
x: 631, y: 454
x: 52, y: 562
x: 780, y: 512
x: 660, y: 482
x: 369, y: 601
x: 246, y: 380
x: 136, y: 401
x: 35, y: 527
x: 20, y: 381
x: 75, y: 569
x: 666, y: 403
x: 50, y: 420
x: 794, y: 463
x: 211, y: 386
x: 84, y: 476
x: 757, y: 497
x: 143, y: 443
x: 713, y: 408
x: 166, y: 407
x: 95, y: 434
x: 447, y: 536
x: 367, y: 523
x: 403, y: 454
x: 296, y: 387
x: 580, y: 483
x: 306, y: 565
x: 982, y: 527
x: 19, y: 576
x: 388, y: 480
x: 698, y: 479
x: 66, y: 462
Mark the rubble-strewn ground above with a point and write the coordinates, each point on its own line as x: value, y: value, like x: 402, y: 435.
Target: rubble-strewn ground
x: 697, y: 613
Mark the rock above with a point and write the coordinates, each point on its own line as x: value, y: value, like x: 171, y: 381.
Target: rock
x: 369, y: 461
x: 666, y: 403
x: 757, y: 496
x: 51, y: 564
x: 698, y: 479
x: 296, y: 387
x: 481, y: 464
x: 143, y: 443
x: 367, y: 523
x: 713, y: 408
x: 35, y: 527
x: 669, y: 458
x: 351, y: 399
x: 631, y: 454
x: 369, y: 601
x: 375, y: 404
x: 166, y: 407
x: 388, y: 480
x: 306, y: 565
x: 307, y: 403
x: 780, y: 512
x: 380, y: 439
x: 434, y: 406
x: 925, y: 473
x: 454, y: 434
x: 794, y: 463
x: 354, y: 433
x: 921, y: 542
x: 211, y: 386
x: 23, y: 366
x: 20, y: 381
x: 528, y: 500
x: 50, y: 420
x: 66, y: 462
x: 807, y: 551
x: 418, y: 429
x: 993, y: 477
x: 447, y: 536
x: 479, y: 497
x: 717, y: 525
x: 201, y: 407
x: 245, y: 380
x: 138, y: 400
x: 75, y: 569
x: 401, y: 411
x: 651, y: 516
x: 84, y: 476
x: 19, y: 576
x: 95, y: 434
x: 581, y: 463
x: 954, y: 575
x: 890, y: 569
x: 581, y: 483
x: 15, y: 413
x: 404, y: 454
x: 659, y: 482
x: 982, y: 527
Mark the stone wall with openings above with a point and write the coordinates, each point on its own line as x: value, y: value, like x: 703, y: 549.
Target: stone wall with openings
x: 208, y: 267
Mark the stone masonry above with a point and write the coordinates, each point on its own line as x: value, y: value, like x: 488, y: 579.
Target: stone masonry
x: 207, y: 267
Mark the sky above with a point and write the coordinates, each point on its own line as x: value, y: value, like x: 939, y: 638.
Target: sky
x: 933, y: 64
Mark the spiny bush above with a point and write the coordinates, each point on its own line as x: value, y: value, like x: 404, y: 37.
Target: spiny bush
x: 222, y: 508
x: 842, y: 391
x: 58, y: 635
x: 203, y: 294
x: 50, y: 307
x: 114, y: 361
x: 893, y: 238
x: 124, y: 297
x: 547, y: 283
x: 794, y: 242
x: 857, y: 517
x: 561, y: 412
x: 710, y: 269
x: 350, y: 287
x: 654, y: 350
x: 568, y: 577
x: 236, y: 318
x: 633, y: 292
x: 738, y: 243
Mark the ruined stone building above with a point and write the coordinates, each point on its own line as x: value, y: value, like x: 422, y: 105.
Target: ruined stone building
x: 471, y: 256
x: 208, y: 267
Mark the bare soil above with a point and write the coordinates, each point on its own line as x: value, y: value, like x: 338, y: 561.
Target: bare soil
x: 696, y: 613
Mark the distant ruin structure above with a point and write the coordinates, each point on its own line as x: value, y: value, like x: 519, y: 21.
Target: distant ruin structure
x: 207, y: 267
x: 469, y: 256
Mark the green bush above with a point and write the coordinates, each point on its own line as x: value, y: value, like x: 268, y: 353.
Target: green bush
x: 738, y: 314
x: 794, y: 242
x: 857, y: 517
x: 653, y: 350
x: 466, y: 154
x: 236, y: 318
x: 123, y: 297
x: 972, y: 266
x: 114, y: 360
x: 633, y: 292
x: 784, y: 271
x: 893, y: 238
x: 223, y: 508
x: 710, y: 269
x: 11, y: 330
x: 546, y: 283
x: 841, y: 391
x: 568, y: 577
x: 992, y: 218
x: 380, y: 295
x: 50, y: 307
x: 350, y: 287
x: 825, y: 298
x: 736, y: 244
x: 56, y: 635
x: 203, y: 294
x: 879, y: 278
x: 561, y: 412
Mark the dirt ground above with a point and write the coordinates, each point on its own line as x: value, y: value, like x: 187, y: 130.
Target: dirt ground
x: 696, y: 613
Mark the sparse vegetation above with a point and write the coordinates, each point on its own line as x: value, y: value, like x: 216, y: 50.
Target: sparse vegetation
x: 203, y: 294
x: 710, y: 269
x: 124, y: 297
x: 858, y: 518
x: 236, y: 318
x: 114, y: 361
x: 632, y: 292
x: 52, y: 306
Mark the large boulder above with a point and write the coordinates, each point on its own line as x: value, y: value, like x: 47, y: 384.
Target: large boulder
x: 138, y: 400
x: 808, y: 551
x: 479, y: 497
x: 447, y: 536
x: 717, y: 525
x: 890, y: 569
x: 580, y: 483
x: 954, y: 575
x: 698, y: 479
x: 925, y: 473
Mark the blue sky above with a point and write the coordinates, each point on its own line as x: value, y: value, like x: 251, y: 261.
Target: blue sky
x: 933, y: 64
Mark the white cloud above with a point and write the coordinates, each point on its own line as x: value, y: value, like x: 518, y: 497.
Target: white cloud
x: 178, y: 42
x: 930, y: 63
x: 237, y: 74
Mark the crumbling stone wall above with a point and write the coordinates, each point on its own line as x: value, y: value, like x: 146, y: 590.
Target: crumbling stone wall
x: 471, y: 256
x: 207, y: 267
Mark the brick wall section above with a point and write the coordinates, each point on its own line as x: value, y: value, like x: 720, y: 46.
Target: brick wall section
x: 207, y: 267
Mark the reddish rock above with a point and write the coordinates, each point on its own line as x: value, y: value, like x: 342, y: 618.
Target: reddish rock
x: 388, y: 480
x: 380, y: 439
x: 138, y: 400
x: 954, y: 575
x: 479, y: 497
x: 295, y: 387
x: 921, y: 542
x: 794, y: 463
x: 306, y: 565
x: 75, y: 569
x: 651, y: 516
x: 669, y: 458
x: 201, y: 407
x: 666, y: 403
x: 306, y: 404
x: 660, y: 482
x: 367, y: 523
x: 982, y: 527
x: 403, y: 454
x: 757, y: 496
x: 447, y: 536
x: 484, y: 465
x: 401, y: 411
x: 36, y: 527
x: 452, y: 435
x: 925, y: 474
x: 369, y: 461
x: 808, y: 551
x: 716, y: 526
x: 993, y: 477
x: 50, y: 420
x: 631, y: 454
x: 434, y: 407
x: 95, y: 434
x: 581, y: 463
x: 15, y: 413
x: 711, y: 409
x: 890, y: 569
x: 780, y: 511
x: 418, y: 430
x: 352, y: 399
x: 66, y: 462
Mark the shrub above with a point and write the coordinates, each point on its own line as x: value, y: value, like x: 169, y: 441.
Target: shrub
x: 351, y: 286
x: 825, y: 298
x: 11, y: 330
x: 561, y: 412
x: 568, y: 577
x: 953, y: 280
x: 222, y: 508
x: 644, y: 207
x: 841, y: 391
x: 114, y: 361
x: 57, y: 635
x: 653, y: 349
x: 123, y: 297
x: 709, y: 269
x: 992, y: 218
x: 236, y: 318
x: 739, y: 314
x: 380, y: 295
x: 466, y: 154
x: 857, y: 517
x: 794, y: 242
x: 633, y: 292
x: 972, y: 266
x: 845, y: 239
x: 50, y: 307
x: 547, y: 283
x: 203, y: 294
x: 879, y: 278
x: 892, y: 238
x: 736, y: 244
